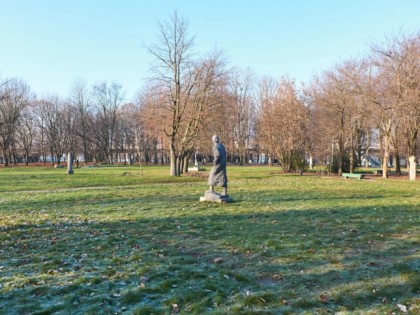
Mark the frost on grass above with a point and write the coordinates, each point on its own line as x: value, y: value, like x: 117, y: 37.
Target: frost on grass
x: 143, y: 244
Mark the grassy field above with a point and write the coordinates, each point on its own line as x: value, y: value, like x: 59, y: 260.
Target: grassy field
x: 133, y: 240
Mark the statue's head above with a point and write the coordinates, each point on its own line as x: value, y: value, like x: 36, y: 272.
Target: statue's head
x: 215, y: 139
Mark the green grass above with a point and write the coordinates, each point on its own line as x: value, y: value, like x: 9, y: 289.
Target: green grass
x: 135, y: 241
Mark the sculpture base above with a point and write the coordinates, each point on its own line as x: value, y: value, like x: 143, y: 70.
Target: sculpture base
x: 196, y: 169
x: 215, y: 197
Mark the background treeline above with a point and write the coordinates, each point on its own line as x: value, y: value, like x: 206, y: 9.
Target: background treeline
x: 359, y: 105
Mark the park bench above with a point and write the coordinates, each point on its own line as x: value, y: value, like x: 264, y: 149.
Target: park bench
x: 352, y: 175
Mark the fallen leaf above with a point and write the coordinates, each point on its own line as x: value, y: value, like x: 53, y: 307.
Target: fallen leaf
x: 276, y: 277
x: 403, y: 308
x: 144, y: 279
x: 323, y: 298
x: 175, y: 308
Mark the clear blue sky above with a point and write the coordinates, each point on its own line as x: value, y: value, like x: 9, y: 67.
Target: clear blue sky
x: 51, y: 43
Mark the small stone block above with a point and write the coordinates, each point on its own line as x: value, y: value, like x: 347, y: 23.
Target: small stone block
x: 196, y: 169
x: 215, y: 197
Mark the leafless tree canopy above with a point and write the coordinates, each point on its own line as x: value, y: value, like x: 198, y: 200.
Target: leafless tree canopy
x: 358, y: 109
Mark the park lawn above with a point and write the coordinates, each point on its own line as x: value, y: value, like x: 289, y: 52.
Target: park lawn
x: 133, y: 240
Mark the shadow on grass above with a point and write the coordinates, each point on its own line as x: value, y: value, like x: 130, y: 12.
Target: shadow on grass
x: 158, y: 194
x: 351, y: 259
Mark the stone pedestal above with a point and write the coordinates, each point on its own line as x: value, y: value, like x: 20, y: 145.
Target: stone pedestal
x: 195, y: 169
x: 215, y: 197
x: 412, y: 162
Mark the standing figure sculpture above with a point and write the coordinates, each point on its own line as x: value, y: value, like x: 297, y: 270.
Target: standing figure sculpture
x: 217, y: 175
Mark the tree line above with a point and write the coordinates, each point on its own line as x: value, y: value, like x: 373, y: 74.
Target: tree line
x: 360, y: 105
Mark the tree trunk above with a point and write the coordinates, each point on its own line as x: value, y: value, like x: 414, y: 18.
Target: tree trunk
x: 351, y: 161
x: 367, y: 149
x: 52, y: 156
x: 173, y: 160
x: 241, y: 158
x: 6, y: 159
x: 155, y: 152
x: 367, y: 158
x: 186, y: 159
x: 397, y: 163
x: 385, y: 156
x: 359, y: 151
x: 111, y: 157
x: 15, y: 156
x: 85, y: 152
x: 341, y: 154
x: 178, y: 165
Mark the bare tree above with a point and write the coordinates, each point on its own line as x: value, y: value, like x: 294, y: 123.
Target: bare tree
x: 106, y: 102
x: 240, y: 89
x: 283, y: 121
x: 172, y: 69
x: 393, y: 76
x: 330, y: 96
x: 265, y: 124
x: 183, y: 88
x: 354, y: 75
x: 409, y: 56
x: 340, y: 108
x: 125, y: 140
x: 69, y: 134
x: 79, y: 98
x: 25, y: 133
x: 208, y: 77
x: 14, y: 97
x: 50, y: 119
x: 151, y: 120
